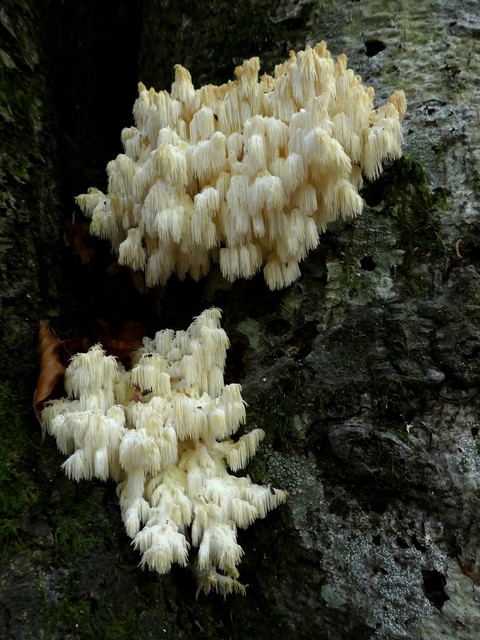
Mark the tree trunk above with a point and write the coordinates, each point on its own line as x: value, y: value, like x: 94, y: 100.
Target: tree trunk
x: 364, y: 373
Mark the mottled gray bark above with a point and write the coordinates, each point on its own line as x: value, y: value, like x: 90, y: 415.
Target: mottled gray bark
x: 364, y: 374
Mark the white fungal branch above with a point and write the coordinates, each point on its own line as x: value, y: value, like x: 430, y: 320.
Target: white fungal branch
x: 171, y: 451
x: 230, y: 173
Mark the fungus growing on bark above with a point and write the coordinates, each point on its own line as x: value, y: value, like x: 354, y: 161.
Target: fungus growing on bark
x: 162, y: 431
x: 246, y: 174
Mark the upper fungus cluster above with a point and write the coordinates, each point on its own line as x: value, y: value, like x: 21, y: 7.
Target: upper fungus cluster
x: 162, y: 429
x: 246, y: 174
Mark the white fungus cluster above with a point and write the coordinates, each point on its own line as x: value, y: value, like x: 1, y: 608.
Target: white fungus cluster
x: 162, y: 431
x: 246, y: 174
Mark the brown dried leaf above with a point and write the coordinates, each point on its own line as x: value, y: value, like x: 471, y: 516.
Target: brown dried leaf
x: 54, y: 357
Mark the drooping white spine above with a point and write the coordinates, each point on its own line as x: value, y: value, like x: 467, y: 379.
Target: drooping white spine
x: 167, y: 442
x: 221, y: 167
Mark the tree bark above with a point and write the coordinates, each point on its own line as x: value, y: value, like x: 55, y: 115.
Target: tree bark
x: 364, y: 374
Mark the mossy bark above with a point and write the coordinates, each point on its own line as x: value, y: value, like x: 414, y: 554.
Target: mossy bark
x: 364, y: 374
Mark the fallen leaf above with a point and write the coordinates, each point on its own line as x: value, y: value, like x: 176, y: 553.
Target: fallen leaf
x: 54, y: 357
x: 55, y: 354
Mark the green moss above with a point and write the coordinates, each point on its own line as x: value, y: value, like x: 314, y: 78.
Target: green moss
x: 278, y: 410
x: 78, y: 615
x: 89, y: 598
x: 250, y: 328
x: 18, y: 491
x: 415, y: 207
x: 250, y: 33
x: 80, y: 524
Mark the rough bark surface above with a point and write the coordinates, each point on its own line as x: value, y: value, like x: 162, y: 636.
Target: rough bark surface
x: 364, y: 374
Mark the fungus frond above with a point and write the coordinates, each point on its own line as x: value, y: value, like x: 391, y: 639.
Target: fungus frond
x: 222, y: 166
x: 169, y: 452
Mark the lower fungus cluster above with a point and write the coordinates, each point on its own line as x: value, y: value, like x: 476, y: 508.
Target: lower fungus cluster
x: 246, y: 174
x: 162, y: 430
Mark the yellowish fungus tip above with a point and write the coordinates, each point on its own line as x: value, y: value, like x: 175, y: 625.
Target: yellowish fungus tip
x: 229, y: 167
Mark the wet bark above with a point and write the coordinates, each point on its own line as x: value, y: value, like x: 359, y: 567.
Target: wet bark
x: 364, y: 374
